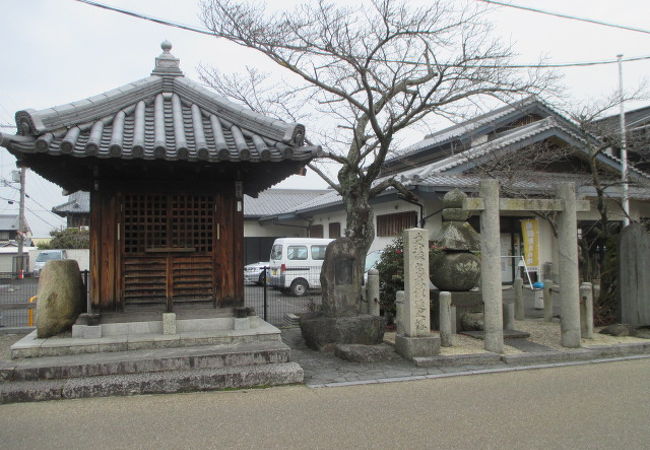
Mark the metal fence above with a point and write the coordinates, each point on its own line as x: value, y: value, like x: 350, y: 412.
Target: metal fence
x: 282, y: 305
x: 16, y: 309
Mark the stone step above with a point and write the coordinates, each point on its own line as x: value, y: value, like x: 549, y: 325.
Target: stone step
x: 32, y: 347
x: 153, y: 383
x: 144, y: 361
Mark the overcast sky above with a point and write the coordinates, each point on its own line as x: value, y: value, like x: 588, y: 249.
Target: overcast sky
x: 58, y: 51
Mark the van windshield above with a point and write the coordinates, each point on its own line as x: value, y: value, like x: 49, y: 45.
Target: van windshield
x: 48, y: 256
x: 276, y: 253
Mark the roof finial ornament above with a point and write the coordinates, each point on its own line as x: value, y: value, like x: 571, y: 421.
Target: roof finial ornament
x: 167, y: 64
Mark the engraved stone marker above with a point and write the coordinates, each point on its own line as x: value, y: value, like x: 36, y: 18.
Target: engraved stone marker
x: 416, y: 283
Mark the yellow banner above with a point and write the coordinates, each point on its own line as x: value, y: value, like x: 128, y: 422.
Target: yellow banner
x: 530, y: 234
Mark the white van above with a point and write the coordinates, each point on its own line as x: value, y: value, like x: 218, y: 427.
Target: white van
x: 296, y: 263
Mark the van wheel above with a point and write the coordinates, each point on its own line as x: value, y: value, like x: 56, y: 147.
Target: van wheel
x: 299, y: 288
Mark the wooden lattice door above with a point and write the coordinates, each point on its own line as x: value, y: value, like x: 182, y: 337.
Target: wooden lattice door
x: 169, y: 248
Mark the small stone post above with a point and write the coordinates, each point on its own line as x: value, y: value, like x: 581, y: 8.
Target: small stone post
x: 417, y: 340
x: 586, y: 311
x: 568, y: 267
x: 491, y: 266
x: 518, y: 286
x: 548, y: 301
x: 399, y: 311
x: 444, y: 302
x: 372, y: 292
x: 509, y: 316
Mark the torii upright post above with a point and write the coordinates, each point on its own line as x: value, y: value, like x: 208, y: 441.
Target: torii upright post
x: 491, y: 267
x: 569, y: 289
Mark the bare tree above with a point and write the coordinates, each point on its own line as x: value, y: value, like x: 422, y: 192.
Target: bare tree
x: 374, y: 70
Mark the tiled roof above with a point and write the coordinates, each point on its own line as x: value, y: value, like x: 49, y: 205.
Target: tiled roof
x: 78, y: 203
x: 278, y: 201
x: 469, y: 127
x: 523, y: 135
x: 164, y: 116
x: 634, y: 118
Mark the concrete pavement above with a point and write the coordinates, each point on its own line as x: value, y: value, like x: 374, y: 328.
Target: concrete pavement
x: 590, y: 406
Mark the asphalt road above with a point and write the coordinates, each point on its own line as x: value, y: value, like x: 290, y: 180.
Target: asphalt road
x: 580, y: 407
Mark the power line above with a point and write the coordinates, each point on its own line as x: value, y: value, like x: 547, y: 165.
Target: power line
x: 45, y: 208
x: 567, y: 16
x: 485, y: 66
x: 149, y: 18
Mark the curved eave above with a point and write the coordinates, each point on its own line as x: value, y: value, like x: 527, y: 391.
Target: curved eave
x: 88, y: 109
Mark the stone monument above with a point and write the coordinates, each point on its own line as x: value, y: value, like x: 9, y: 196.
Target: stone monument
x: 415, y: 339
x: 634, y: 279
x: 341, y: 320
x: 455, y: 267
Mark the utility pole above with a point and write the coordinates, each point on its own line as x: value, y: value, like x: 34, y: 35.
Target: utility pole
x: 21, y: 224
x: 626, y: 197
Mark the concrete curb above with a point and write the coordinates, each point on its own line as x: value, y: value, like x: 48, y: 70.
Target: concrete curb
x: 462, y: 365
x: 466, y: 372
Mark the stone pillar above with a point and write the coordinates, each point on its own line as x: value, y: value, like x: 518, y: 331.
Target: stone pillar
x: 399, y: 312
x: 568, y: 267
x: 518, y: 286
x: 509, y: 316
x: 444, y: 302
x: 372, y: 292
x: 491, y: 266
x: 416, y: 283
x: 416, y: 340
x: 548, y: 300
x: 586, y: 311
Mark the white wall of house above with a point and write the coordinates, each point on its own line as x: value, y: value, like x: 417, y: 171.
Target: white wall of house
x: 252, y: 228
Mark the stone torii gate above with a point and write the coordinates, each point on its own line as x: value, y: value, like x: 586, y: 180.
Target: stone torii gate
x: 490, y: 206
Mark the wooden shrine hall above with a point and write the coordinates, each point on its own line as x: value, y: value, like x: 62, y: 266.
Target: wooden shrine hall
x: 167, y: 163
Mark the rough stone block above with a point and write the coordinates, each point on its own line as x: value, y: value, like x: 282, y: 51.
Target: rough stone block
x: 61, y: 297
x: 169, y: 323
x: 321, y: 331
x: 411, y: 347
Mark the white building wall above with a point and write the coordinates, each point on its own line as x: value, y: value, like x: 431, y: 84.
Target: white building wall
x: 252, y: 228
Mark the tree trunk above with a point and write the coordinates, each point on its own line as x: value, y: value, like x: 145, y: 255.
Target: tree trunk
x: 359, y: 218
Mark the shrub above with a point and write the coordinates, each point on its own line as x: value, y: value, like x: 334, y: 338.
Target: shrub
x: 391, y: 273
x: 70, y: 238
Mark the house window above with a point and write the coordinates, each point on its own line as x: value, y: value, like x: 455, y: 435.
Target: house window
x: 335, y: 230
x: 394, y: 224
x: 316, y: 231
